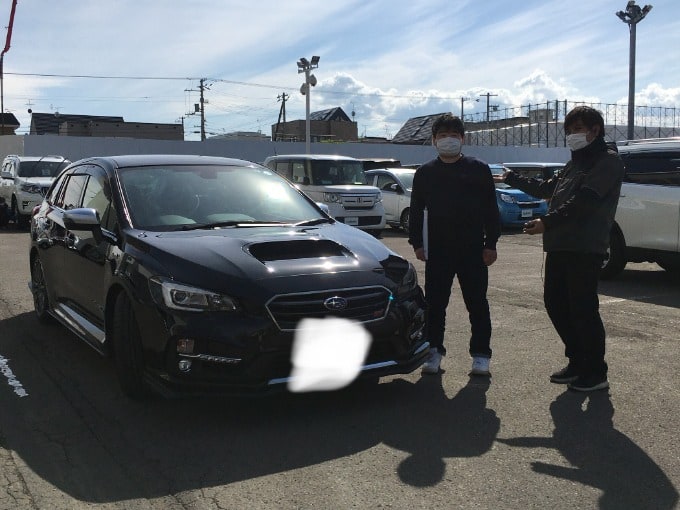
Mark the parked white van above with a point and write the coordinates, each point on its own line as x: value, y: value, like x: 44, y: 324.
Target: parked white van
x: 337, y: 181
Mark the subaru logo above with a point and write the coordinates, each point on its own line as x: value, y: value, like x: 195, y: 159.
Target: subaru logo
x: 335, y: 303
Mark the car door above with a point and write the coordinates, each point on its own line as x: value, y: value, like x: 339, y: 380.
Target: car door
x: 85, y: 255
x: 390, y: 196
x: 649, y: 206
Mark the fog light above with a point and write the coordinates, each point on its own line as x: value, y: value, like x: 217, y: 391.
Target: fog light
x: 185, y: 365
x: 185, y: 345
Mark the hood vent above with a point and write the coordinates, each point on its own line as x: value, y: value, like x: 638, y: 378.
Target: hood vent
x: 297, y: 249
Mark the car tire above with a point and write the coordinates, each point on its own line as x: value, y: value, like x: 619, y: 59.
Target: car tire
x: 405, y: 219
x: 41, y: 300
x: 21, y: 220
x: 615, y: 260
x: 127, y: 349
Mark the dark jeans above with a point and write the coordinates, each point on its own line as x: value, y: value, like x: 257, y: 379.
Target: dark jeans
x: 570, y: 296
x: 473, y: 277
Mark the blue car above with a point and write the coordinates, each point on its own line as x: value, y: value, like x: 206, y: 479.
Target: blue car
x: 515, y: 206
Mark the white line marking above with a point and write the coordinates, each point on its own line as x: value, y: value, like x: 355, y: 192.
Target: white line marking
x: 11, y: 379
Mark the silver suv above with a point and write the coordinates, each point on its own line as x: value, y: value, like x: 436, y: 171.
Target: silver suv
x: 25, y: 180
x: 647, y: 223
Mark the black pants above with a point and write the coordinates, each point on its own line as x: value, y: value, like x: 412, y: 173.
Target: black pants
x: 473, y: 276
x: 570, y: 296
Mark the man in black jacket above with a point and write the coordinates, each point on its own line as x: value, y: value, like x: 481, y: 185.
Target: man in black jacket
x: 456, y: 194
x: 583, y: 199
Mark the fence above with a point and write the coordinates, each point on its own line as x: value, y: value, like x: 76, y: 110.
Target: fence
x: 542, y: 125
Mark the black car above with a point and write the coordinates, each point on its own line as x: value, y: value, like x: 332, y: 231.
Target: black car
x: 193, y: 273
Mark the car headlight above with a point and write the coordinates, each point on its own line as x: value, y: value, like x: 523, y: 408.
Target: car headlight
x: 331, y: 197
x: 409, y: 281
x: 30, y: 188
x: 508, y: 198
x: 378, y: 198
x: 185, y: 297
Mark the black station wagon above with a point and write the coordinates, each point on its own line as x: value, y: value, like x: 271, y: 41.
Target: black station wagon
x: 194, y: 272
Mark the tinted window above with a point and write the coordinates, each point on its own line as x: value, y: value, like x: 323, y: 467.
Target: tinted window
x: 660, y: 168
x: 96, y: 197
x: 41, y: 168
x: 337, y: 172
x: 73, y: 192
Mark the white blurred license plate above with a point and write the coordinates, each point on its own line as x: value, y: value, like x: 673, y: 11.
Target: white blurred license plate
x: 527, y: 213
x: 354, y: 221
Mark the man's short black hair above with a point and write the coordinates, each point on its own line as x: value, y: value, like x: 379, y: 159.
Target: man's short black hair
x: 589, y: 116
x: 448, y: 123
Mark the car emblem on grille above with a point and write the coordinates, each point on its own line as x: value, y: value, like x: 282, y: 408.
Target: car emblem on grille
x: 358, y: 200
x: 335, y: 303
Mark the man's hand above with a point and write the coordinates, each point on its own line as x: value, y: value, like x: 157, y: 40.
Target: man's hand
x: 534, y: 227
x: 420, y: 254
x: 489, y: 256
x: 500, y: 178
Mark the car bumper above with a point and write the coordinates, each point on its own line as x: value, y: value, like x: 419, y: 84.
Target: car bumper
x: 255, y: 357
x: 517, y: 216
x: 26, y: 202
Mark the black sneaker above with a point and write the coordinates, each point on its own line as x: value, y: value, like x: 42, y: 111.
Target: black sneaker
x: 567, y: 375
x: 590, y: 383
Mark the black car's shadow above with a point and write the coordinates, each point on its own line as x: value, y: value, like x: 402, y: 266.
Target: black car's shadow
x: 601, y: 456
x: 79, y: 433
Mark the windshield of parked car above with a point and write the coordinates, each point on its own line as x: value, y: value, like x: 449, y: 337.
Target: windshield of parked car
x: 337, y: 172
x: 210, y: 196
x: 40, y: 168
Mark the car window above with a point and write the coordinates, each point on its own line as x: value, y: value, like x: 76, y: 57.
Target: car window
x: 385, y: 181
x: 660, y: 168
x: 96, y: 197
x: 73, y: 192
x: 41, y: 168
x: 337, y: 172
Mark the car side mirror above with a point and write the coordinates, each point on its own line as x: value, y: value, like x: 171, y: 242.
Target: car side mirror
x: 84, y: 219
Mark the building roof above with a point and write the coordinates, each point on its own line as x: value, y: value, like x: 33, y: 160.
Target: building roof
x: 417, y: 130
x: 48, y: 123
x: 336, y: 113
x: 8, y: 119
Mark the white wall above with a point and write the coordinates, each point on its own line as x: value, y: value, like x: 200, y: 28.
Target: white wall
x: 75, y: 148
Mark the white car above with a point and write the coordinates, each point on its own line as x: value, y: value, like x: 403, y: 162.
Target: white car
x: 395, y: 185
x: 647, y: 223
x: 25, y: 181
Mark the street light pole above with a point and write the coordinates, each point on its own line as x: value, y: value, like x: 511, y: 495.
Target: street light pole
x: 305, y: 66
x: 633, y: 15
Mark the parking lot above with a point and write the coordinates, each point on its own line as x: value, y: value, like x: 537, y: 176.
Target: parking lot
x: 70, y: 440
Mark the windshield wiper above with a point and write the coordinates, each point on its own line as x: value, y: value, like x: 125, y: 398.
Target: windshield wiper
x: 237, y: 224
x: 317, y: 221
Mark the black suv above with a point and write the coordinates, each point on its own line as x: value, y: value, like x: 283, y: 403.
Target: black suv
x: 194, y: 273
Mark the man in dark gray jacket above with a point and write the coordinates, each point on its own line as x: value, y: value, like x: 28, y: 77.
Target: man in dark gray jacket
x: 583, y: 199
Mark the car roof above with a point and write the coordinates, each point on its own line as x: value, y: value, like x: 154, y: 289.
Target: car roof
x: 532, y: 164
x: 650, y: 144
x: 130, y: 160
x: 312, y: 156
x: 37, y: 158
x: 394, y: 170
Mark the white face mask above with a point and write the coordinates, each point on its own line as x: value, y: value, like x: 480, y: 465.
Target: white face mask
x: 577, y: 141
x: 448, y: 146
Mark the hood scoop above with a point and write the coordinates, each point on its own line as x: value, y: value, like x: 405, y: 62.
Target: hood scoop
x: 297, y: 249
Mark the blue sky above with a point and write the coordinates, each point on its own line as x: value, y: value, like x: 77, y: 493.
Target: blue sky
x: 386, y: 60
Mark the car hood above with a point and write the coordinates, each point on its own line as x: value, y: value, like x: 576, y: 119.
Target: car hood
x: 279, y: 258
x: 40, y: 181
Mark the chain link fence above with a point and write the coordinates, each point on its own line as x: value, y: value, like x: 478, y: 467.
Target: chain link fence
x: 542, y: 124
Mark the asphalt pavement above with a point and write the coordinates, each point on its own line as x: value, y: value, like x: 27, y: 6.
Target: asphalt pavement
x: 70, y: 440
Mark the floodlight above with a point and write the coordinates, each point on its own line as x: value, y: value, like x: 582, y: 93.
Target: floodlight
x: 315, y: 60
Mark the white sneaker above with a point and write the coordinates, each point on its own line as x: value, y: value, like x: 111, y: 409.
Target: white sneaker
x: 431, y: 365
x: 480, y: 366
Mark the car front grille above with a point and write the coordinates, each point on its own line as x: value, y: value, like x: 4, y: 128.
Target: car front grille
x: 363, y: 304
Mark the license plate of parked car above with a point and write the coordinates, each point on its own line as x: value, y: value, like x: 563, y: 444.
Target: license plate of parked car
x: 352, y: 220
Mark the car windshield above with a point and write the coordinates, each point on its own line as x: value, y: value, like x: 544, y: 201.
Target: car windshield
x: 210, y: 196
x: 406, y: 179
x: 41, y: 168
x: 337, y: 172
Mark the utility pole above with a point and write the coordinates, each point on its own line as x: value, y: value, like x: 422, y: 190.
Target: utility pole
x: 283, y: 97
x: 488, y: 107
x: 200, y: 107
x: 8, y: 40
